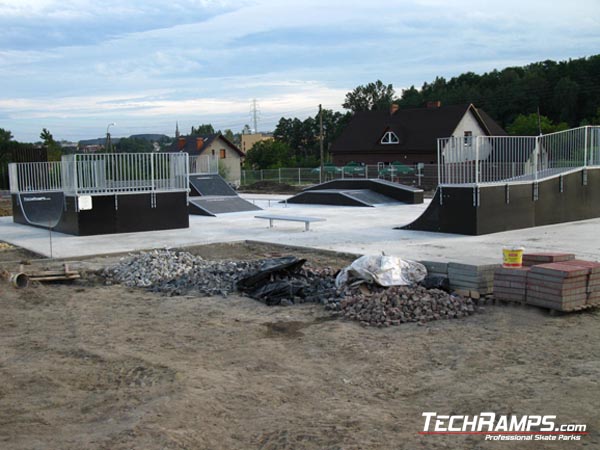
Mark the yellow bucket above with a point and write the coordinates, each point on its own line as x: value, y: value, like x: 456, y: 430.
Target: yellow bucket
x: 512, y: 257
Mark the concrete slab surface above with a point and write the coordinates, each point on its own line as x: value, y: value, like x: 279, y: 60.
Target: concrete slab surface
x: 346, y: 229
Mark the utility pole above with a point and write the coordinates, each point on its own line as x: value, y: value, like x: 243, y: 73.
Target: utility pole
x: 321, y: 142
x: 255, y: 115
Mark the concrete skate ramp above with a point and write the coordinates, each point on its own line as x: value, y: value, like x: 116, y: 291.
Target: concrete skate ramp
x: 211, y: 195
x: 213, y: 205
x: 368, y: 192
x: 511, y: 206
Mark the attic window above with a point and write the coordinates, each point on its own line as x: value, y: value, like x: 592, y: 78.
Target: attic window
x: 468, y: 138
x: 390, y: 138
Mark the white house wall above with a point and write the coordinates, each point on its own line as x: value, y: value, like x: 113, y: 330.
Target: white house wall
x: 459, y: 152
x: 231, y: 163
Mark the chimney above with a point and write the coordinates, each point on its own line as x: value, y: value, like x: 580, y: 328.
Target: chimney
x: 393, y: 108
x: 199, y: 143
x: 181, y: 143
x: 434, y: 104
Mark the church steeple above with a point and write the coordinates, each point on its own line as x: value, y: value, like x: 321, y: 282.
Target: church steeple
x: 176, y: 130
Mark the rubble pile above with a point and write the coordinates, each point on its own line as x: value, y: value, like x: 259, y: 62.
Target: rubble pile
x: 179, y: 273
x: 287, y: 281
x: 382, y: 307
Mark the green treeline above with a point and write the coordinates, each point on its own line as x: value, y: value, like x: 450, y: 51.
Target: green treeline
x: 565, y: 91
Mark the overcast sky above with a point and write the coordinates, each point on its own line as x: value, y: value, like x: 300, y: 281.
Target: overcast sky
x: 74, y: 66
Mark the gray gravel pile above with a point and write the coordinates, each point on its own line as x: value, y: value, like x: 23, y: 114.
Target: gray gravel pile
x: 382, y: 307
x: 179, y: 273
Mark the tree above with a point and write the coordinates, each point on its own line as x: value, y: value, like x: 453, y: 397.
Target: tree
x: 228, y: 134
x: 270, y: 154
x: 528, y: 125
x: 204, y: 129
x: 373, y: 96
x: 52, y: 147
x: 246, y: 129
x: 5, y: 136
x: 134, y: 145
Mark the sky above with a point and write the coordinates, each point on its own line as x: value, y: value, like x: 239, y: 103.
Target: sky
x: 75, y: 66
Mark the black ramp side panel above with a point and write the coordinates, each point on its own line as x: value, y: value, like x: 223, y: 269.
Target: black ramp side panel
x: 210, y: 206
x: 42, y: 209
x: 120, y: 214
x: 210, y: 185
x: 429, y: 220
x: 456, y: 214
x: 574, y: 196
x: 501, y: 208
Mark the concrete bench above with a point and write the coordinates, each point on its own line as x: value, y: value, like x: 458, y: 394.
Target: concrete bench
x: 307, y: 220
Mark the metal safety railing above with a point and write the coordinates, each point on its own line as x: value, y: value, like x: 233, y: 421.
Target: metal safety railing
x: 205, y: 164
x: 109, y: 173
x: 498, y: 159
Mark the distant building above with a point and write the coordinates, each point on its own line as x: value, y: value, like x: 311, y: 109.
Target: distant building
x: 229, y: 155
x: 91, y: 148
x: 248, y: 140
x: 408, y: 135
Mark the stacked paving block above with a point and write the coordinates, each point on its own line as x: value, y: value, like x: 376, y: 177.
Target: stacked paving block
x: 436, y: 268
x: 593, y: 280
x: 477, y: 279
x: 510, y: 284
x: 559, y: 286
x: 532, y: 259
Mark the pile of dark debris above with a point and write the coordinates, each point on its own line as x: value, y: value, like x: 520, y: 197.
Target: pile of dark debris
x: 287, y: 281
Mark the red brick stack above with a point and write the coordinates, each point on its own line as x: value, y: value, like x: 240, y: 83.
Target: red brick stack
x: 511, y: 284
x: 557, y: 286
x: 593, y: 281
x: 551, y: 280
x: 532, y: 259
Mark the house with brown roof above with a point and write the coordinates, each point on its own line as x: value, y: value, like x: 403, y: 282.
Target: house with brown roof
x: 229, y: 156
x: 408, y: 135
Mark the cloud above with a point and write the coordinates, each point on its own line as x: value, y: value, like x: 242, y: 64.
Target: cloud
x: 77, y: 60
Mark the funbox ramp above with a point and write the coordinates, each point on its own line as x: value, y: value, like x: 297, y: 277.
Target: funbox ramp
x: 211, y: 195
x: 484, y: 209
x: 351, y: 192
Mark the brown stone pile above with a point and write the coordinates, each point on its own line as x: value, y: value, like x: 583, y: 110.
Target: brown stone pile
x: 382, y: 307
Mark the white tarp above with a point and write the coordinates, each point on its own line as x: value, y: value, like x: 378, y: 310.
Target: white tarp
x: 383, y: 270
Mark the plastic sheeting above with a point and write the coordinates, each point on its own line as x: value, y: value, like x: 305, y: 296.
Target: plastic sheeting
x: 382, y: 270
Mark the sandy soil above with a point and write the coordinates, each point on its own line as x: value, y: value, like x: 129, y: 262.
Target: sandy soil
x: 5, y: 207
x: 86, y: 365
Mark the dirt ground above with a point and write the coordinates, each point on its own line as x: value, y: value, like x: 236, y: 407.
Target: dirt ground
x: 94, y: 366
x: 5, y: 207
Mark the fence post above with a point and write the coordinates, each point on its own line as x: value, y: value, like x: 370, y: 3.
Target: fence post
x: 439, y: 162
x: 299, y: 179
x: 261, y: 175
x: 536, y: 152
x: 279, y: 173
x: 585, y: 146
x: 477, y: 159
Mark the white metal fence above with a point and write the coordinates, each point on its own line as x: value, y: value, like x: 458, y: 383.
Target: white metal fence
x: 495, y: 159
x: 96, y: 174
x: 208, y: 164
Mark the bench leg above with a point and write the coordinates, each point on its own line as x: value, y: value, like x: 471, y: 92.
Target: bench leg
x: 270, y: 223
x: 306, y: 226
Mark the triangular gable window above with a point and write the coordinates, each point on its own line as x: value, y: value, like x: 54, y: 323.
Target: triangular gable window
x: 390, y: 138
